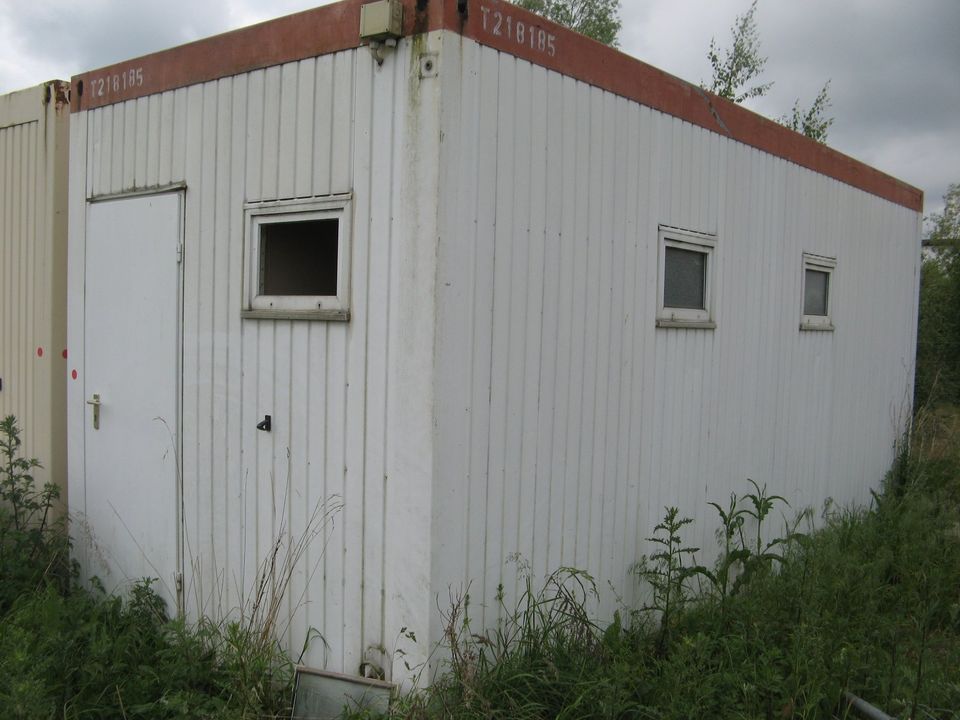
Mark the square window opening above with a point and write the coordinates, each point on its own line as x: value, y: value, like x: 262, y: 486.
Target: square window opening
x: 297, y: 259
x: 685, y: 278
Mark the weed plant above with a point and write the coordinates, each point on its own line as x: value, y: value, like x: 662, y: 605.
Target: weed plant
x: 668, y: 574
x: 34, y: 549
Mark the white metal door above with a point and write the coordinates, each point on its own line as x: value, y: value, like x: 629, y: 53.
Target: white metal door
x: 131, y: 358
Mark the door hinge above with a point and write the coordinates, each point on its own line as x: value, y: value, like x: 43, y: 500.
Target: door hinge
x: 178, y: 582
x: 179, y: 253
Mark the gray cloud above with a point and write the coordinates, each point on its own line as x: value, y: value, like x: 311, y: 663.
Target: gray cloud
x: 60, y: 38
x: 893, y: 68
x: 893, y: 65
x: 81, y: 36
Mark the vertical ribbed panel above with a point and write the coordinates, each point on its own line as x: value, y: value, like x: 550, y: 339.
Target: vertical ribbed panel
x: 517, y: 401
x: 33, y: 155
x: 566, y: 419
x: 333, y: 124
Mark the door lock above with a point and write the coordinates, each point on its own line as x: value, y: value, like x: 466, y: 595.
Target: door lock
x: 96, y: 410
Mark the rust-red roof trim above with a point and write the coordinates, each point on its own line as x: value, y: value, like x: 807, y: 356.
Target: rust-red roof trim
x: 302, y: 35
x: 594, y: 63
x: 495, y: 24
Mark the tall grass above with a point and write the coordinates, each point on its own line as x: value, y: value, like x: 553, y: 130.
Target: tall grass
x: 776, y: 628
x: 71, y: 652
x: 546, y: 658
x: 869, y: 603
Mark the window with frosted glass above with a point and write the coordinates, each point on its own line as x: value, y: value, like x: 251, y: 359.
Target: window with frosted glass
x: 816, y: 287
x: 684, y: 279
x: 816, y: 312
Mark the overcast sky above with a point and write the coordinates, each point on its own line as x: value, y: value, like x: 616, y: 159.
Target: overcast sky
x: 894, y: 65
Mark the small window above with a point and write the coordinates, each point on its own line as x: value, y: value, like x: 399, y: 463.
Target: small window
x: 297, y: 259
x: 817, y: 276
x: 686, y: 284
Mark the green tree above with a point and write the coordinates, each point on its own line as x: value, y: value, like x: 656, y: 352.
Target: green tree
x: 938, y: 332
x: 599, y: 19
x: 741, y: 63
x: 945, y: 226
x: 812, y: 122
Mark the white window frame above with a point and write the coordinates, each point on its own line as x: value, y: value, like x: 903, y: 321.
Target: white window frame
x: 671, y: 237
x: 824, y: 264
x: 296, y: 307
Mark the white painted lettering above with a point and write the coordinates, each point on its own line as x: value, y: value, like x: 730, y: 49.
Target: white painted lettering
x: 117, y: 82
x: 500, y: 24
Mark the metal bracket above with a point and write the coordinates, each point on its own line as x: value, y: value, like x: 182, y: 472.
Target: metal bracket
x: 265, y: 424
x: 378, y: 48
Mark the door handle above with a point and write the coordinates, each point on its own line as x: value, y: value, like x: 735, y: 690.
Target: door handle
x: 96, y: 410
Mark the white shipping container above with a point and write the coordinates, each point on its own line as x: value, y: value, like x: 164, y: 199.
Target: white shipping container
x: 34, y: 132
x: 497, y: 294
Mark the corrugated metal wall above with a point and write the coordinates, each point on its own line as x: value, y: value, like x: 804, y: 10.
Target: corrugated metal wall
x: 566, y: 419
x: 518, y: 399
x: 33, y: 175
x: 349, y: 422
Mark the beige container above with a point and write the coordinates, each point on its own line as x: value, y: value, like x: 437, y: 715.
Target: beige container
x: 34, y: 136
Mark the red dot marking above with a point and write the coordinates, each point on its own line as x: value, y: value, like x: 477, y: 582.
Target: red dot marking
x: 39, y: 352
x: 64, y: 353
x: 74, y: 374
